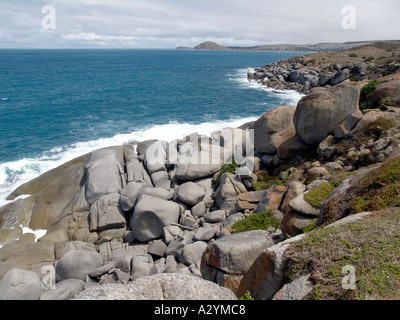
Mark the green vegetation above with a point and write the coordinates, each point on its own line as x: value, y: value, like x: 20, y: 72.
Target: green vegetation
x: 380, y: 125
x: 353, y: 55
x: 246, y: 296
x: 371, y: 246
x: 265, y: 181
x: 373, y: 130
x: 378, y: 190
x: 228, y: 167
x: 309, y: 228
x: 319, y: 195
x: 353, y: 78
x: 257, y: 221
x: 366, y: 93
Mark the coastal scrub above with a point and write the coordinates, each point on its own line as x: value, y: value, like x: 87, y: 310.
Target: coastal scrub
x: 319, y: 195
x: 257, y: 221
x: 371, y: 246
x: 366, y: 93
x: 227, y: 167
x: 380, y: 189
x: 265, y: 181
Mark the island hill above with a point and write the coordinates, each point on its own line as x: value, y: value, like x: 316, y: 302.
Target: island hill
x: 319, y: 47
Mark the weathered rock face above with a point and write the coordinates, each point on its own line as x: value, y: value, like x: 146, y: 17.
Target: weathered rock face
x: 295, y: 290
x: 293, y: 223
x: 300, y: 205
x: 366, y: 120
x: 160, y: 287
x: 26, y: 255
x: 130, y: 194
x: 232, y: 255
x: 155, y: 156
x: 151, y: 215
x: 340, y: 76
x: 321, y: 112
x: 13, y: 216
x: 294, y: 189
x: 348, y: 124
x: 291, y: 147
x: 273, y: 128
x: 20, y: 284
x: 107, y: 217
x: 135, y: 171
x: 64, y: 290
x: 193, y: 164
x: 104, y: 173
x: 53, y: 190
x: 190, y: 193
x: 264, y: 278
x: 77, y: 264
x: 229, y: 187
x: 386, y: 93
x: 271, y: 199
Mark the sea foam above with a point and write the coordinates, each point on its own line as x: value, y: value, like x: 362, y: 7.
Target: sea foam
x: 15, y: 173
x: 291, y: 96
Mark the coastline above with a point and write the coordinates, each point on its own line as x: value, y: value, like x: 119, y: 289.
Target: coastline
x: 327, y: 69
x: 28, y: 168
x: 142, y: 211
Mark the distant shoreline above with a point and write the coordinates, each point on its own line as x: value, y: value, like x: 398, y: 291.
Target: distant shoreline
x: 319, y: 47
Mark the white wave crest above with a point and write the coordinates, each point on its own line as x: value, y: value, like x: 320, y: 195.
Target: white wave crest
x: 291, y: 96
x: 15, y: 173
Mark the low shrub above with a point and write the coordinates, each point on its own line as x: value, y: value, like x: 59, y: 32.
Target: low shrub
x: 366, y: 93
x: 257, y: 221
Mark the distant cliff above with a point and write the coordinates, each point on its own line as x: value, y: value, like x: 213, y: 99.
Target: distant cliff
x: 319, y: 47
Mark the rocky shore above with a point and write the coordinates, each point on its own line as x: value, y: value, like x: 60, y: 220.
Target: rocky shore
x: 224, y: 216
x: 304, y: 73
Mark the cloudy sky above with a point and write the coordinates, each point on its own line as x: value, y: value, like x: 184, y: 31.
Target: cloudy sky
x: 172, y: 23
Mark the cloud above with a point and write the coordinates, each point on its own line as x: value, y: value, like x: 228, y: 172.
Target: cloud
x: 166, y: 24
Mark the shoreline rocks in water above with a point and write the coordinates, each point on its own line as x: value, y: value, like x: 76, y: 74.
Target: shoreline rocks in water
x: 303, y: 73
x: 160, y: 213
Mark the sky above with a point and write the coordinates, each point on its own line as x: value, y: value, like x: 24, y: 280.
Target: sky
x: 173, y: 23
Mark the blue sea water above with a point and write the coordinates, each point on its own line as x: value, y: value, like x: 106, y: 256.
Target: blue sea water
x: 56, y: 105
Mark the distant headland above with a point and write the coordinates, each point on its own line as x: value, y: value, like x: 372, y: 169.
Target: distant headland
x: 319, y: 47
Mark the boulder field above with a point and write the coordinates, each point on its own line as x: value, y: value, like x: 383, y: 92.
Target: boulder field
x: 143, y: 221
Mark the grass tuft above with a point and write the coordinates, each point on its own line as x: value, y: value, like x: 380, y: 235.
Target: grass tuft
x: 257, y: 221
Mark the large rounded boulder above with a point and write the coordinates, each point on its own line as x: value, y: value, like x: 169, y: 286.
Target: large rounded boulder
x: 20, y: 284
x: 273, y: 128
x: 151, y: 215
x: 321, y: 112
x: 77, y: 264
x: 386, y: 93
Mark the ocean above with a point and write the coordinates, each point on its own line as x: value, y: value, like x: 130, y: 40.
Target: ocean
x: 56, y: 105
